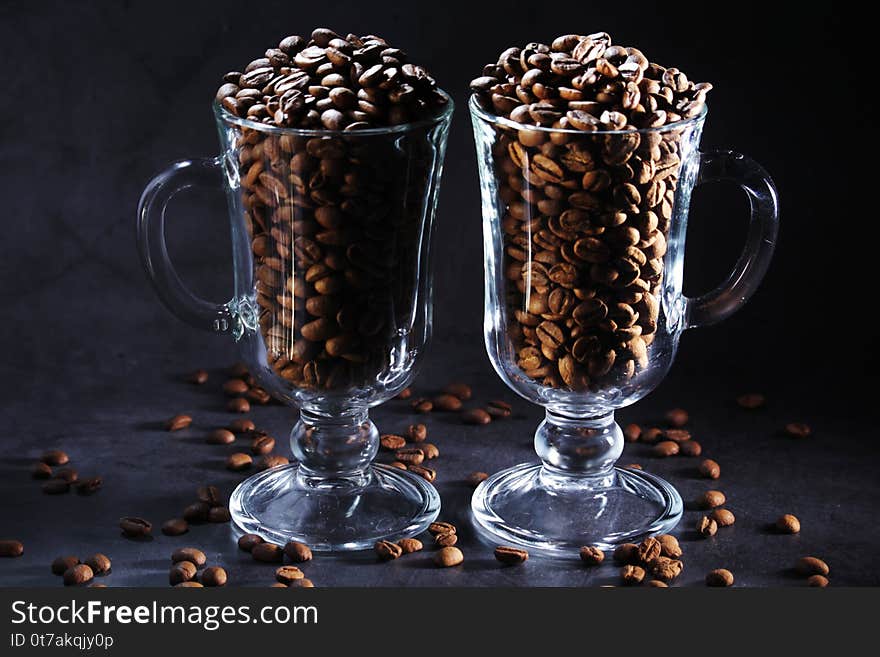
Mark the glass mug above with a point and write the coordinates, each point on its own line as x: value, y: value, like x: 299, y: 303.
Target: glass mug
x: 584, y: 236
x: 331, y: 234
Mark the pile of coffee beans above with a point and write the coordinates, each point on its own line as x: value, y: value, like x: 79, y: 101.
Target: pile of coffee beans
x: 587, y: 183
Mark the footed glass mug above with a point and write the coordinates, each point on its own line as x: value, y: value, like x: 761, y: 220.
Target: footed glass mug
x: 331, y: 236
x: 584, y: 236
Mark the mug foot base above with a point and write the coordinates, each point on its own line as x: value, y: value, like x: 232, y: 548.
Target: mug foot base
x: 556, y: 514
x: 334, y: 514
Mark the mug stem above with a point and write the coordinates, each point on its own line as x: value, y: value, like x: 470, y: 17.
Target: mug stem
x: 571, y: 446
x: 334, y: 449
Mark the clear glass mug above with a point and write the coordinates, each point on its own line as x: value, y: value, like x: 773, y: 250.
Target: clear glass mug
x: 331, y: 234
x: 584, y: 236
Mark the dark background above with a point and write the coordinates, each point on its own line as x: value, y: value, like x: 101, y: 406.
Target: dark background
x: 97, y: 97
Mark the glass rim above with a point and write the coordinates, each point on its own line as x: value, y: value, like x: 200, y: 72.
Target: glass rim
x: 488, y: 117
x: 222, y: 114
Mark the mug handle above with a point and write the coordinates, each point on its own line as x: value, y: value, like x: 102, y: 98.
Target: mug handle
x: 192, y: 309
x: 727, y: 298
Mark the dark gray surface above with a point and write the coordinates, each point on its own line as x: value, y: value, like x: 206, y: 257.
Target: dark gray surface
x: 98, y: 96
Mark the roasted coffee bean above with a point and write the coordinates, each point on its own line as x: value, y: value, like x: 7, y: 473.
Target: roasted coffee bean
x: 190, y: 554
x: 722, y: 517
x: 632, y: 433
x: 677, y: 435
x: 297, y: 552
x: 391, y: 442
x: 56, y: 486
x: 812, y: 566
x: 41, y: 471
x: 247, y: 542
x: 67, y: 474
x: 429, y: 450
x: 690, y: 448
x: 422, y: 405
x: 477, y: 478
x: 665, y: 448
x: 632, y: 574
x: 398, y: 465
x: 235, y: 387
x: 441, y: 527
x: 448, y: 557
x: 219, y: 514
x: 288, y: 574
x: 591, y: 555
x: 427, y: 474
x: 634, y: 466
x: 220, y: 437
x: 669, y: 546
x: 271, y: 461
x: 89, y: 485
x: 511, y: 556
x: 446, y: 539
x: 189, y: 585
x: 78, y: 575
x: 719, y: 577
x: 196, y: 512
x: 707, y: 527
x: 134, y: 527
x: 262, y: 444
x: 99, y: 563
x: 417, y: 433
x: 410, y: 455
x: 210, y: 495
x: 817, y: 581
x: 677, y: 417
x: 751, y: 400
x: 11, y: 548
x: 446, y: 402
x: 797, y: 430
x: 238, y: 405
x: 241, y: 425
x: 175, y: 527
x: 626, y: 553
x: 178, y: 422
x: 213, y: 576
x: 198, y: 377
x: 476, y: 416
x: 386, y: 550
x: 62, y: 564
x: 709, y: 468
x: 788, y: 524
x: 649, y: 549
x: 410, y: 545
x: 711, y: 499
x: 406, y: 393
x: 461, y: 390
x: 182, y: 571
x: 54, y: 457
x: 239, y: 461
x: 267, y: 552
x: 302, y: 583
x: 657, y: 584
x: 651, y: 435
x: 498, y: 409
x: 665, y: 569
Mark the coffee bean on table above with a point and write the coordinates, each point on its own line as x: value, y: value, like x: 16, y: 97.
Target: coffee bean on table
x: 41, y: 471
x: 665, y: 569
x: 238, y: 405
x: 417, y: 433
x: 67, y: 474
x: 386, y: 550
x: 690, y: 448
x: 751, y: 400
x: 89, y: 485
x: 422, y: 405
x: 297, y: 552
x: 498, y: 409
x: 271, y: 461
x: 410, y: 455
x: 406, y: 393
x: 788, y: 524
x: 175, y: 527
x: 626, y: 553
x: 54, y: 457
x: 241, y: 425
x: 441, y: 527
x: 235, y: 387
x: 56, y: 486
x: 135, y: 527
x: 219, y: 514
x: 198, y: 377
x: 247, y: 542
x: 665, y: 448
x: 476, y: 478
x: 77, y: 575
x: 213, y: 576
x: 196, y: 512
x: 220, y: 437
x: 191, y: 554
x: 446, y: 402
x: 446, y: 539
x: 817, y: 581
x: 677, y: 435
x: 591, y: 555
x: 239, y: 461
x: 711, y: 499
x: 410, y: 545
x: 707, y: 527
x: 391, y: 442
x: 99, y: 563
x: 812, y: 566
x: 62, y: 564
x: 723, y: 517
x: 448, y: 557
x: 287, y: 574
x: 669, y: 546
x: 677, y: 417
x: 267, y: 552
x: 631, y: 574
x: 237, y: 371
x: 189, y: 585
x: 262, y: 444
x: 210, y: 495
x: 710, y: 469
x: 719, y: 577
x: 428, y: 474
x: 302, y: 583
x: 476, y: 416
x: 657, y: 584
x: 182, y: 571
x: 460, y: 390
x: 398, y: 465
x: 430, y: 450
x: 178, y: 422
x: 797, y: 430
x: 510, y: 556
x: 651, y: 435
x: 632, y: 432
x: 649, y: 549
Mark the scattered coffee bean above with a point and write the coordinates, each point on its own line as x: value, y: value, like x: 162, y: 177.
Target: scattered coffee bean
x: 406, y: 393
x: 476, y: 416
x: 797, y: 430
x: 258, y: 396
x: 812, y: 566
x: 441, y: 527
x: 302, y: 583
x: 677, y: 417
x: 817, y: 580
x: 238, y: 405
x: 134, y: 527
x: 723, y: 517
x: 460, y: 390
x: 719, y: 577
x: 190, y: 554
x: 11, y: 548
x: 271, y: 461
x: 633, y: 466
x: 391, y: 442
x: 430, y: 450
x: 56, y: 486
x: 178, y: 422
x: 196, y: 512
x: 448, y: 557
x: 386, y: 550
x: 262, y: 444
x: 632, y: 574
x: 649, y: 549
x: 657, y: 584
x: 446, y: 539
x: 677, y: 435
x: 235, y: 387
x: 707, y: 527
x: 665, y: 448
x: 427, y: 474
x: 690, y: 448
x: 417, y: 433
x: 220, y: 437
x: 237, y: 370
x: 711, y: 499
x: 97, y: 585
x: 476, y: 478
x: 267, y: 552
x: 213, y: 576
x: 241, y: 425
x: 210, y: 495
x: 54, y: 457
x: 710, y: 469
x: 247, y: 542
x: 41, y: 471
x: 626, y: 553
x: 198, y: 377
x: 751, y: 400
x: 665, y: 569
x: 99, y: 563
x: 77, y: 575
x: 287, y: 574
x: 189, y: 585
x: 632, y: 432
x: 410, y: 455
x: 591, y: 555
x: 239, y: 461
x: 182, y: 571
x: 398, y: 465
x: 788, y: 524
x: 219, y: 514
x: 410, y: 545
x: 89, y: 486
x: 298, y: 552
x: 67, y: 474
x: 511, y: 556
x: 422, y: 405
x: 499, y: 410
x: 62, y: 564
x: 175, y: 527
x: 669, y: 546
x: 651, y: 435
x: 446, y: 402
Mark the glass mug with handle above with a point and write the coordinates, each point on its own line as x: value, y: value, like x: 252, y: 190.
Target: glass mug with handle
x: 584, y: 237
x: 331, y: 234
